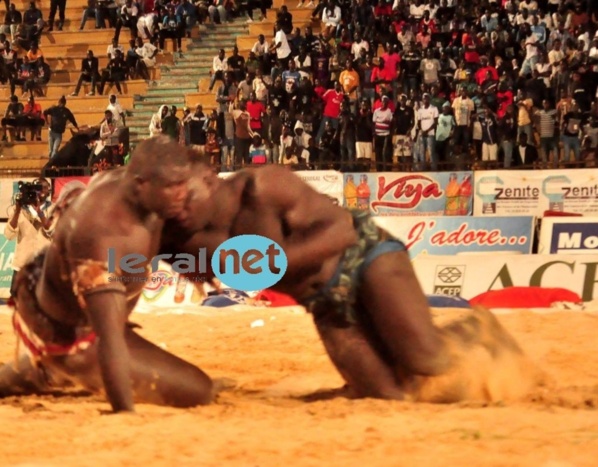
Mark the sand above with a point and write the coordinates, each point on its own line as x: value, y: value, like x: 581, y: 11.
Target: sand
x: 280, y: 413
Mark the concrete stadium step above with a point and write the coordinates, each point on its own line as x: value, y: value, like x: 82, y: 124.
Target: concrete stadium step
x: 93, y: 36
x: 72, y: 75
x: 87, y: 104
x: 206, y: 99
x: 267, y: 27
x: 73, y: 61
x: 99, y: 49
x: 55, y: 90
x: 18, y: 166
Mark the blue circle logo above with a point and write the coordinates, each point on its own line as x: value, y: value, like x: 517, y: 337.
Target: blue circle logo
x: 249, y: 262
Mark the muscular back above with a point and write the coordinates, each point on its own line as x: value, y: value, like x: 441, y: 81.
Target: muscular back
x: 98, y: 220
x: 312, y: 231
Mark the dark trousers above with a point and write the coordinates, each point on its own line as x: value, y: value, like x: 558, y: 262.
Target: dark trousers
x: 93, y: 78
x: 383, y: 150
x: 61, y: 6
x: 130, y: 23
x: 174, y: 35
x: 115, y: 78
x: 241, y: 152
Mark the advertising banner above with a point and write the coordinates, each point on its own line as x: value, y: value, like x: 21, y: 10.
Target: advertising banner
x: 569, y: 235
x: 531, y: 192
x: 470, y: 275
x: 410, y: 194
x: 327, y: 182
x: 462, y: 234
x: 61, y: 181
x: 7, y: 252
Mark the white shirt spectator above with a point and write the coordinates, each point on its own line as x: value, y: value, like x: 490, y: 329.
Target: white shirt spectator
x: 219, y: 65
x: 554, y: 58
x: 594, y: 54
x: 382, y: 120
x: 284, y: 50
x: 260, y: 49
x: 130, y: 11
x: 331, y: 19
x: 30, y: 239
x: 147, y: 53
x: 426, y: 117
x: 530, y: 46
x: 116, y: 110
x: 112, y: 51
x: 357, y: 47
x: 416, y: 11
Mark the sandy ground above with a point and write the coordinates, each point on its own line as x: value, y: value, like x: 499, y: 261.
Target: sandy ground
x: 279, y: 413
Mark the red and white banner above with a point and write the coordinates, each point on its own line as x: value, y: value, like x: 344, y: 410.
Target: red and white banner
x: 470, y: 275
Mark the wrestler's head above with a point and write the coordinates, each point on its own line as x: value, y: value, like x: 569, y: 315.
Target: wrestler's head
x: 160, y: 169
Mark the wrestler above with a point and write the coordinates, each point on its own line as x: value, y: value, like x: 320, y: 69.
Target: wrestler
x: 71, y: 313
x: 367, y: 304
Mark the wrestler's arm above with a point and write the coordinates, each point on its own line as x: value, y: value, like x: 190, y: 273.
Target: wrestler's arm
x: 317, y: 228
x: 106, y: 307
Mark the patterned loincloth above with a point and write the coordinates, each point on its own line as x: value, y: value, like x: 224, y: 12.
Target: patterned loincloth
x: 39, y: 334
x: 341, y: 292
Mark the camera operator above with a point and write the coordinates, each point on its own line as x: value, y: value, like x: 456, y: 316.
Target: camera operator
x: 28, y: 222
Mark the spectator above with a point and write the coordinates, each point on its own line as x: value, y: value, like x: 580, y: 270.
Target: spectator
x: 92, y: 10
x: 12, y: 123
x: 427, y: 118
x: 572, y: 121
x: 404, y: 121
x: 146, y: 54
x: 488, y: 124
x: 382, y: 119
x: 332, y: 108
x: 219, y: 66
x: 59, y: 115
x: 118, y: 114
x: 258, y: 154
x: 444, y: 133
x: 155, y: 127
x: 110, y: 138
x: 171, y: 125
x: 12, y: 21
x: 243, y: 135
x: 172, y: 28
x: 546, y: 123
x: 281, y: 45
x: 115, y: 73
x: 59, y: 5
x: 27, y: 223
x: 508, y: 135
x: 256, y: 111
x: 89, y: 74
x: 198, y: 123
x: 33, y: 119
x: 525, y: 154
x: 129, y: 15
x: 236, y: 64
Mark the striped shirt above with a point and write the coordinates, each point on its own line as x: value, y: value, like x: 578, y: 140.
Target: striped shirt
x: 546, y: 122
x: 257, y: 154
x: 382, y: 120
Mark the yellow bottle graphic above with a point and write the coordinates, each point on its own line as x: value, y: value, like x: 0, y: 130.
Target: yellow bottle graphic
x: 350, y: 193
x: 451, y: 192
x: 181, y: 286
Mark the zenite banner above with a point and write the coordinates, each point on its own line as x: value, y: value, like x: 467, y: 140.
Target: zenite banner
x: 463, y: 234
x: 410, y: 194
x: 531, y: 192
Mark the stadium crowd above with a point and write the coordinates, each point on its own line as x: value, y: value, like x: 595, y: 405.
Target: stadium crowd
x: 410, y: 85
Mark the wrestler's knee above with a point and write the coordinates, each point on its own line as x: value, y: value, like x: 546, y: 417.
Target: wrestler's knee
x: 197, y: 389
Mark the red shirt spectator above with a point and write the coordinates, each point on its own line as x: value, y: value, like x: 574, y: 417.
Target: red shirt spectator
x: 480, y: 75
x: 505, y: 99
x: 381, y: 74
x: 332, y: 101
x: 255, y: 109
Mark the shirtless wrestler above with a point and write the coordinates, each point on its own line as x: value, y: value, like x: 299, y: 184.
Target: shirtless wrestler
x: 71, y: 314
x: 368, y: 307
